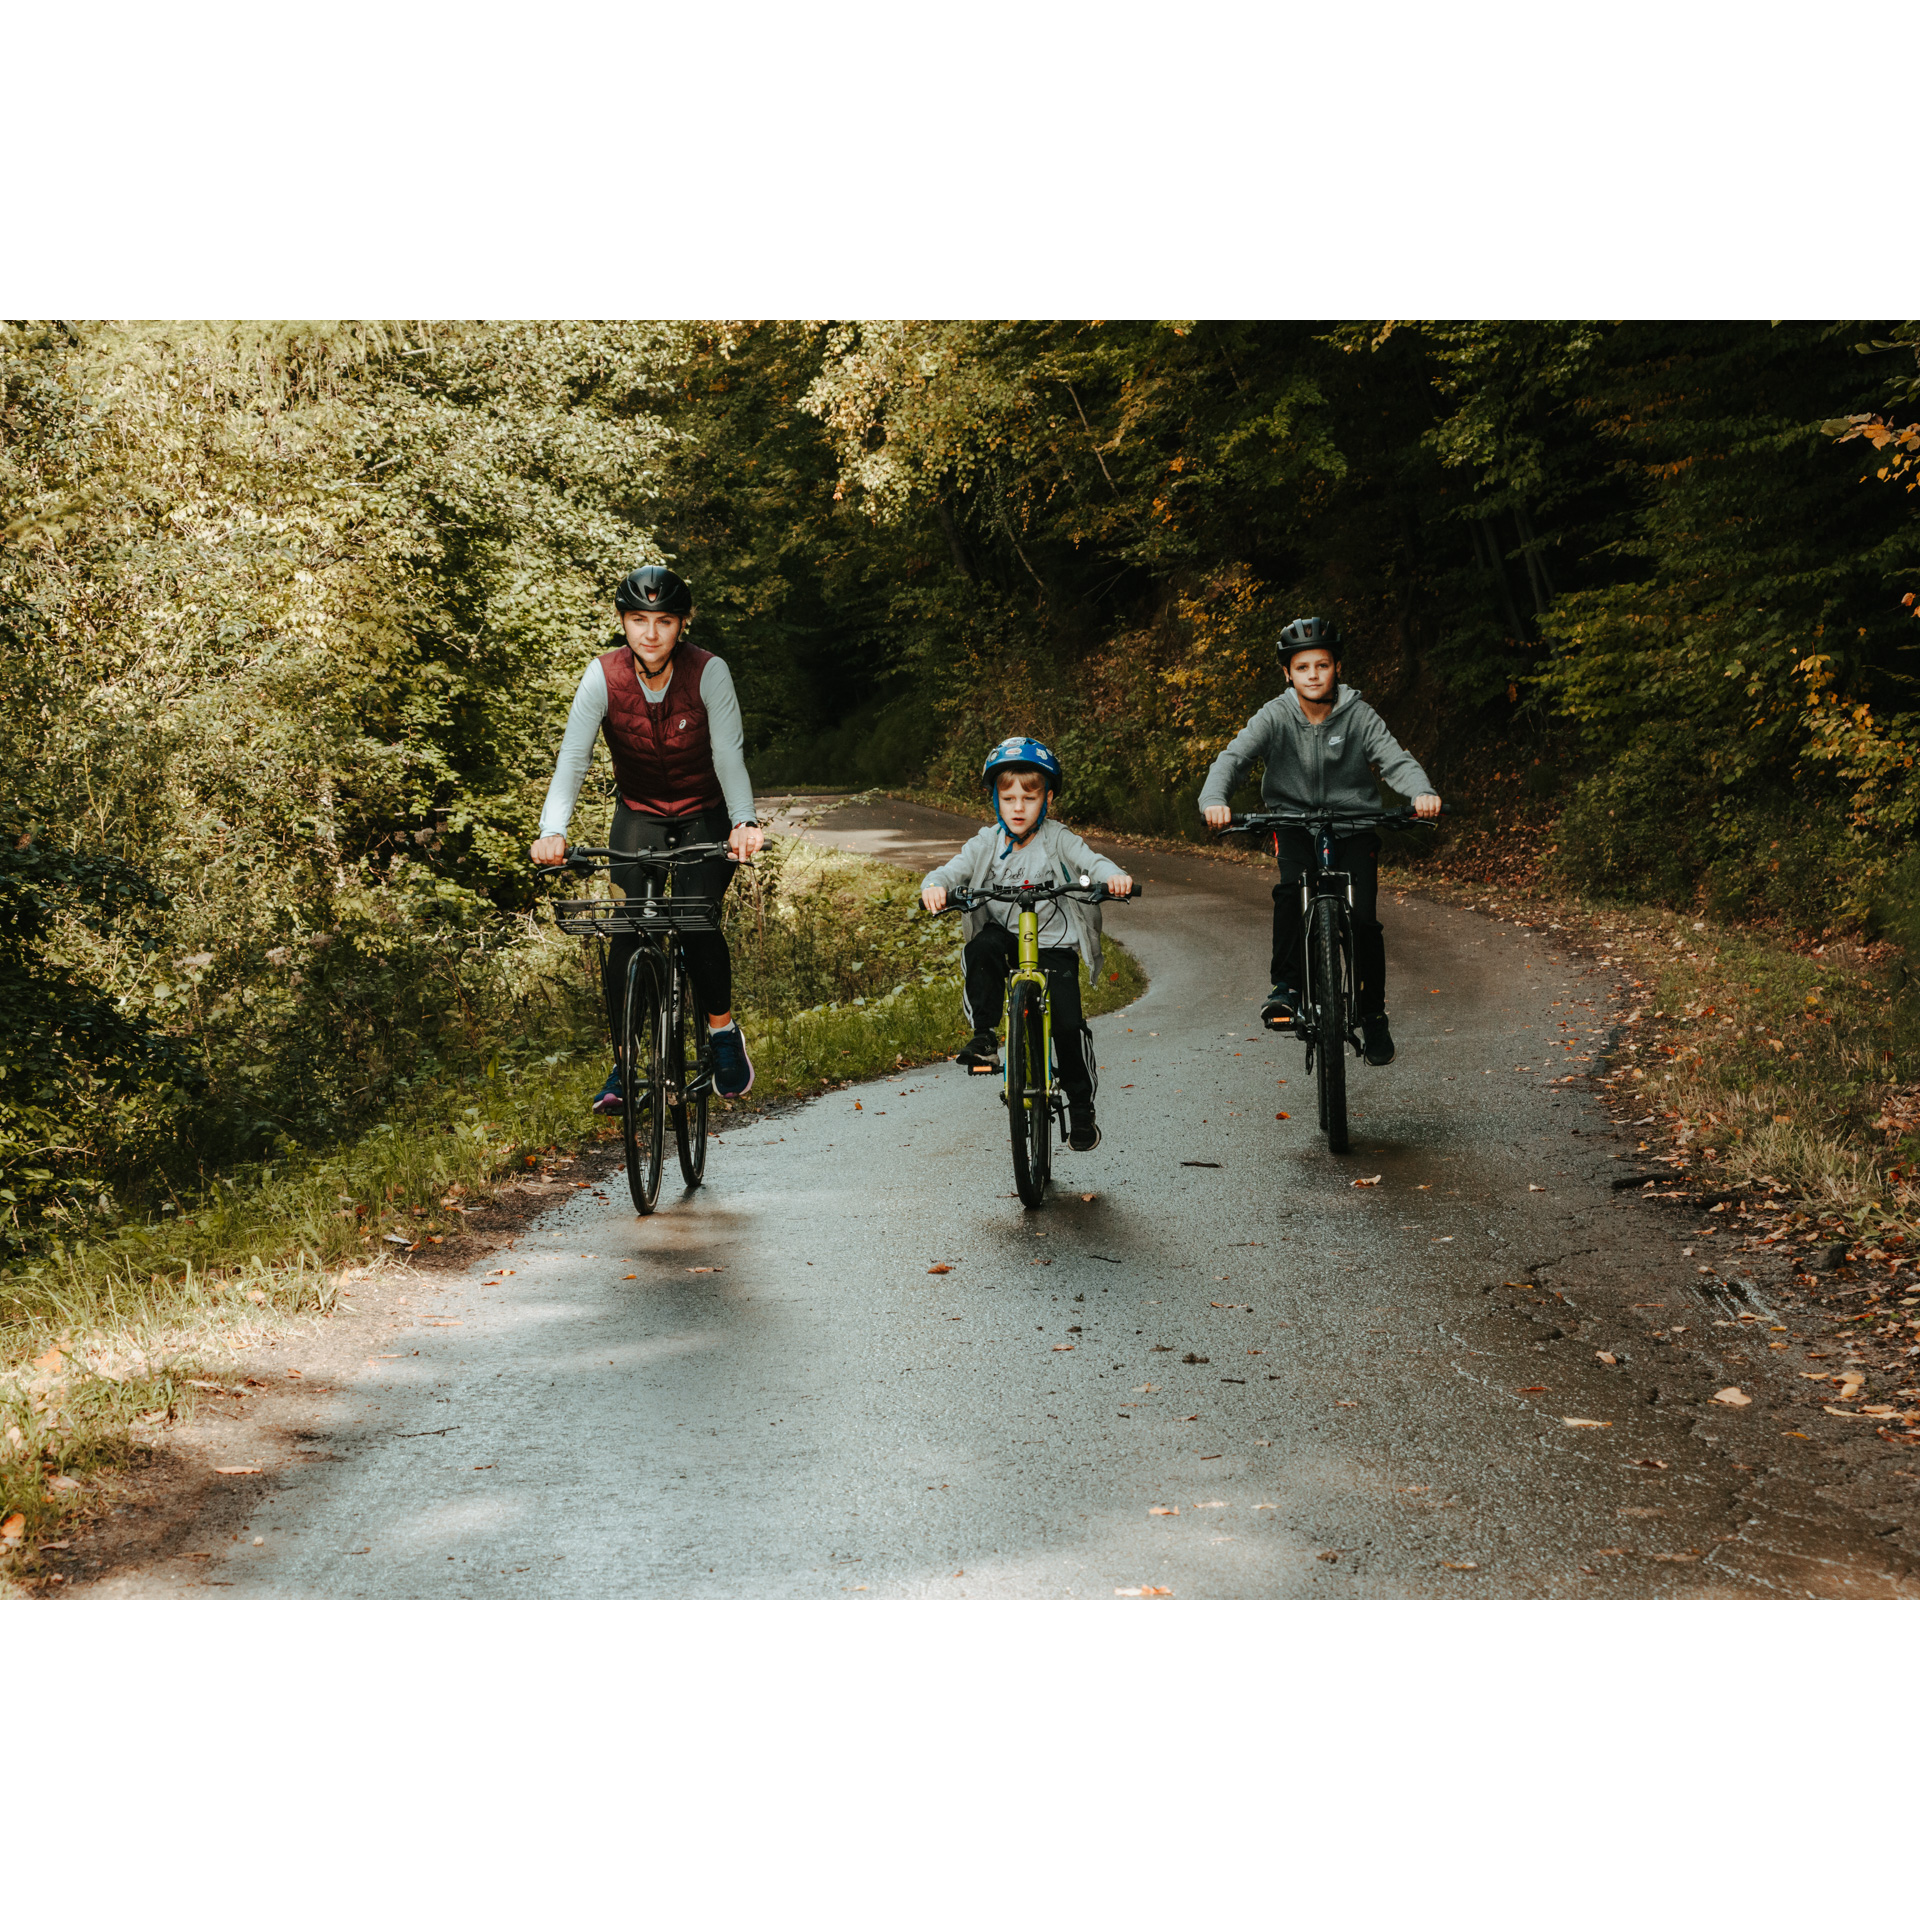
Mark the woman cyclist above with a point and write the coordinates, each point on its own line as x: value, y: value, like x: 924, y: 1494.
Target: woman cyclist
x: 672, y: 724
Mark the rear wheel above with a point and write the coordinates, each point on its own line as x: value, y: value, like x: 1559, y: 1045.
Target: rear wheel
x: 692, y: 1074
x: 1028, y: 1116
x: 643, y: 1102
x: 1330, y: 1034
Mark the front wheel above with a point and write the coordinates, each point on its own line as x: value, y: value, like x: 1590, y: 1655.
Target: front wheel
x: 643, y: 1092
x: 692, y: 1071
x: 1330, y: 1028
x: 1029, y: 1117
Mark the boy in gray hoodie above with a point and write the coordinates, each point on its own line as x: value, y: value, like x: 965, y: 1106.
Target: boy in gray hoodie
x: 1323, y: 746
x: 1022, y: 844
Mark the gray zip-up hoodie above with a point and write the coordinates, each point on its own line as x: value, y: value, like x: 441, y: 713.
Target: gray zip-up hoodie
x: 1331, y: 765
x: 1061, y: 849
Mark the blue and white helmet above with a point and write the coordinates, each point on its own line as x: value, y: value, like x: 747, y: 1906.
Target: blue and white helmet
x: 1021, y: 750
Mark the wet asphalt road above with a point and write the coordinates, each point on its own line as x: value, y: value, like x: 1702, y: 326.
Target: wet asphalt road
x: 764, y: 1390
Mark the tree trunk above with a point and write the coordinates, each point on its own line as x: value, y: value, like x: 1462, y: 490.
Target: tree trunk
x: 1516, y: 627
x: 955, y: 545
x: 1536, y: 566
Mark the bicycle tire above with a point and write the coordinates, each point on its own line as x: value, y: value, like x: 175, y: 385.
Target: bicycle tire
x: 1028, y: 1118
x: 689, y: 1065
x: 1330, y: 1006
x: 642, y: 1090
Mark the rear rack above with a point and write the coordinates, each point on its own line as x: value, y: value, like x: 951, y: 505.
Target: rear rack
x: 641, y: 913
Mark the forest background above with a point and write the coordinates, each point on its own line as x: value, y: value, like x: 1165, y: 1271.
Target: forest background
x: 290, y: 617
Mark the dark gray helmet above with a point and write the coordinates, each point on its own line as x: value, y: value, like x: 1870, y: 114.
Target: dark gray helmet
x: 653, y: 590
x: 1303, y: 634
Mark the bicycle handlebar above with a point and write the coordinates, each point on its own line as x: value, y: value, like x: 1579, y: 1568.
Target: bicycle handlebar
x: 594, y: 859
x: 1265, y: 822
x: 967, y: 899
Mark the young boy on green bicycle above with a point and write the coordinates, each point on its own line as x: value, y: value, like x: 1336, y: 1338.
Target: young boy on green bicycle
x: 1323, y: 746
x: 1021, y: 844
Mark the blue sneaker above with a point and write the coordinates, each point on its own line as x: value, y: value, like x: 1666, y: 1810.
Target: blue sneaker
x: 608, y: 1100
x: 732, y: 1070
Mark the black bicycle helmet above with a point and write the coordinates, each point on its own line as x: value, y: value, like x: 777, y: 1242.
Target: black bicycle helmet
x: 1303, y: 634
x: 653, y: 590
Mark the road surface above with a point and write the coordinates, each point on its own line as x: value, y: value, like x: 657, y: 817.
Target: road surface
x: 1212, y: 1366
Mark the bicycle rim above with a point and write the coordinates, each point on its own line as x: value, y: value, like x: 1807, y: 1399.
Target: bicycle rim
x: 692, y: 1076
x: 642, y: 1092
x: 1026, y: 1094
x: 1333, y: 1031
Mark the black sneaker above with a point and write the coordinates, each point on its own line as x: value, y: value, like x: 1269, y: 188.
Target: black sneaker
x: 1375, y: 1041
x: 1282, y: 1008
x: 1082, y: 1135
x: 981, y: 1054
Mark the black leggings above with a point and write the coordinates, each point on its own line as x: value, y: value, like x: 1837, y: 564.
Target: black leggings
x: 990, y: 956
x: 1358, y: 856
x: 709, y: 963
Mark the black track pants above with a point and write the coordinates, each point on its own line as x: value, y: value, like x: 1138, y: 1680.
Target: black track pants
x: 990, y: 956
x: 709, y: 963
x: 1359, y: 856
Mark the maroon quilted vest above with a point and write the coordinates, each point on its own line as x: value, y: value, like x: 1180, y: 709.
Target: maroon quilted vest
x: 662, y: 755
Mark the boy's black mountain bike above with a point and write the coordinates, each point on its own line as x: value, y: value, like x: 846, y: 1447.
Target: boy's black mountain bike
x: 1326, y: 1022
x: 1032, y: 1090
x: 663, y: 1054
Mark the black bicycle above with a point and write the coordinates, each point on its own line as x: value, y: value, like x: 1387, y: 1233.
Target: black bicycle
x: 662, y: 1051
x: 1031, y: 1091
x: 1326, y: 1022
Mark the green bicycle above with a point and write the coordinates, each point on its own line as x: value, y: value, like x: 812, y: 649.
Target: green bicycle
x: 1034, y: 1100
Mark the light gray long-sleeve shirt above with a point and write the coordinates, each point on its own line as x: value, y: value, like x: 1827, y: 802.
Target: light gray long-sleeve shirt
x: 1054, y: 853
x: 1332, y: 765
x: 589, y: 712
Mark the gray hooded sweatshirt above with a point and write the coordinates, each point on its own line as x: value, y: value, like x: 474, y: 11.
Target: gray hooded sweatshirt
x: 1330, y: 766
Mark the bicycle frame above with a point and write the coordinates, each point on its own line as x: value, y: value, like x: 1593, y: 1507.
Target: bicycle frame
x: 1028, y: 969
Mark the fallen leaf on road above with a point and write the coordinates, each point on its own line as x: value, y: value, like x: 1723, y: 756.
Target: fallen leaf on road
x: 1346, y: 1403
x: 65, y: 1483
x: 495, y: 1283
x: 1533, y: 1389
x: 1815, y: 1376
x: 1163, y: 1510
x: 706, y: 1269
x: 943, y: 1267
x: 396, y: 1239
x: 1067, y: 1349
x: 1326, y: 1556
x: 1264, y: 1506
x: 1255, y: 1352
x: 488, y: 1468
x: 1531, y: 1188
x: 1198, y: 1504
x: 236, y: 1470
x: 1370, y: 1180
x: 1461, y: 1566
x: 12, y: 1527
x: 1193, y: 1416
x: 1089, y: 1196
x: 1692, y: 1553
x: 1659, y: 1466
x: 1606, y: 1359
x: 1195, y: 1360
x: 1598, y: 1552
x: 1851, y: 1383
x: 1282, y: 1116
x: 857, y: 1107
x: 1567, y: 1420
x: 507, y: 1271
x: 1142, y: 1593
x: 1199, y: 1163
x: 1733, y: 1397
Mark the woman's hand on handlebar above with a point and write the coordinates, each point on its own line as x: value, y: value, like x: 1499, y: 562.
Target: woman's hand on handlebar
x: 1120, y: 885
x: 1218, y: 817
x: 745, y: 841
x: 934, y: 899
x: 549, y: 850
x: 1427, y: 807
